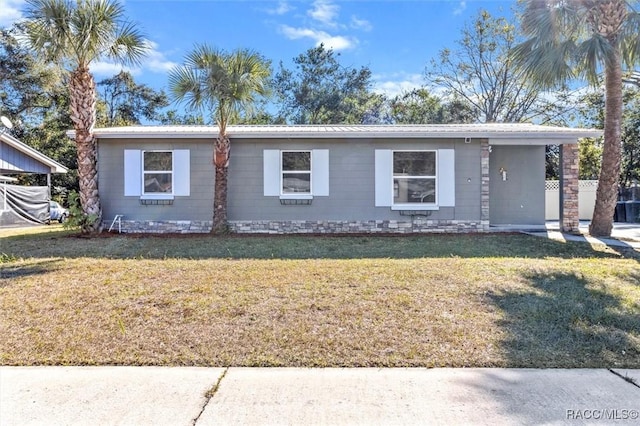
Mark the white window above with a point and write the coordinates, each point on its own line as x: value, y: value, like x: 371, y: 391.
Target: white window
x: 296, y: 174
x: 414, y: 177
x: 415, y: 180
x: 157, y: 174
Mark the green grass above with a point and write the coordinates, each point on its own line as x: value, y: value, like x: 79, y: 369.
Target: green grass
x: 431, y: 300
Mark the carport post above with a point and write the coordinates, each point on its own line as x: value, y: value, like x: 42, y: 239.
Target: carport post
x: 569, y: 174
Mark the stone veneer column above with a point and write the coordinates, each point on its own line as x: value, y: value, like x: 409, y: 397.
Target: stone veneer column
x: 569, y: 168
x: 484, y: 190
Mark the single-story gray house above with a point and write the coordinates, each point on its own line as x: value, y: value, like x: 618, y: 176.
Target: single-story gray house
x: 337, y: 178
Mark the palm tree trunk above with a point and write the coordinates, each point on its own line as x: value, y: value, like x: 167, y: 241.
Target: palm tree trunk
x: 221, y: 163
x: 607, y: 193
x: 83, y: 115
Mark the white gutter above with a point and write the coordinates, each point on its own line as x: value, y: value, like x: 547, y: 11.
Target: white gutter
x: 475, y: 131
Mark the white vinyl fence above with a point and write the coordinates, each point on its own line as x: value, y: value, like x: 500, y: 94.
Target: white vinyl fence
x: 586, y: 199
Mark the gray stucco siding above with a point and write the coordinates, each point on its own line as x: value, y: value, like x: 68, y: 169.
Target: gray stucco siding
x: 198, y: 206
x: 520, y: 199
x: 468, y: 176
x: 351, y: 181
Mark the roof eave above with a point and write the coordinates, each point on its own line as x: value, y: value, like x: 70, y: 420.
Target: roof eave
x: 494, y: 131
x: 53, y: 165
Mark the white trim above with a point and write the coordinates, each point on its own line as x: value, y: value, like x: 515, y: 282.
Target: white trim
x: 181, y: 172
x: 494, y: 131
x: 158, y: 196
x: 296, y: 197
x: 446, y: 191
x: 271, y: 172
x: 320, y: 172
x: 383, y: 180
x: 445, y: 180
x: 414, y: 206
x: 166, y: 172
x: 301, y: 172
x: 132, y: 172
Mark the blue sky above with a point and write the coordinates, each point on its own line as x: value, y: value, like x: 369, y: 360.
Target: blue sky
x: 394, y: 38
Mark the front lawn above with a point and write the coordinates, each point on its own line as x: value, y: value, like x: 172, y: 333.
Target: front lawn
x: 431, y: 300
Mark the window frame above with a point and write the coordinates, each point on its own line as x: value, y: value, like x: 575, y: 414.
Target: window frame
x: 293, y: 195
x: 434, y: 177
x: 143, y: 173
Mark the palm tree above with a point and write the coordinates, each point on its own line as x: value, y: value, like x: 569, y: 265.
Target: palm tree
x: 73, y: 35
x: 579, y: 38
x: 226, y: 84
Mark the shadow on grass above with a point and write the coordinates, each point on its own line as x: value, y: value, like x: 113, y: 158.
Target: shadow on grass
x: 9, y: 271
x: 299, y: 247
x: 572, y: 322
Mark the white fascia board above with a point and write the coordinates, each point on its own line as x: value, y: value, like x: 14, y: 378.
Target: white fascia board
x: 474, y: 131
x: 532, y: 142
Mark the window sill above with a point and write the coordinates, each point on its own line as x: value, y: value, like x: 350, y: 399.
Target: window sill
x: 157, y: 197
x: 296, y: 197
x: 420, y: 207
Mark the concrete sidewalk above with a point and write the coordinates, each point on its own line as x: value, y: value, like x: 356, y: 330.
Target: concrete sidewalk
x: 623, y: 235
x: 266, y: 396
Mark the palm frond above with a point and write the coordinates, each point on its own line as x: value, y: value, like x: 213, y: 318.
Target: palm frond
x: 83, y: 31
x: 630, y: 39
x: 591, y: 55
x: 48, y: 27
x: 129, y: 46
x: 565, y: 40
x: 228, y: 83
x: 185, y: 85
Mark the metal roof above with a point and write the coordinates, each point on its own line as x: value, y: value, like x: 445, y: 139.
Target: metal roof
x: 489, y: 130
x: 25, y: 149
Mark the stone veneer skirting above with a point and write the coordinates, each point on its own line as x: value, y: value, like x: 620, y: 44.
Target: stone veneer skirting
x: 309, y: 227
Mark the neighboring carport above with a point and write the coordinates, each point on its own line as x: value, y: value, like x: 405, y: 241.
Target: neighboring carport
x: 23, y: 205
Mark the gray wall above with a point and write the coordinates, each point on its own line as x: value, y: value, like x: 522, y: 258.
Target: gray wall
x: 198, y: 206
x: 520, y: 199
x: 351, y: 181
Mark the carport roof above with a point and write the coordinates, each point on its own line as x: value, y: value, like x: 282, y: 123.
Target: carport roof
x: 25, y: 151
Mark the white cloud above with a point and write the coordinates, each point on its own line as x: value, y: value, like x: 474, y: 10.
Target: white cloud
x: 107, y: 69
x: 154, y: 61
x: 325, y: 12
x: 323, y: 25
x: 361, y: 24
x: 10, y: 12
x: 396, y: 84
x: 282, y: 8
x: 329, y: 41
x: 462, y: 6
